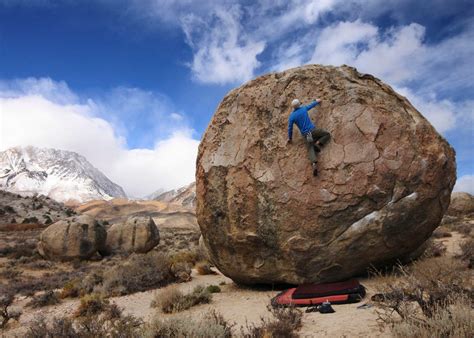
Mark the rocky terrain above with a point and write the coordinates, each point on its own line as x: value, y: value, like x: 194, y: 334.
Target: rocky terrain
x: 384, y: 182
x: 42, y: 210
x: 64, y: 176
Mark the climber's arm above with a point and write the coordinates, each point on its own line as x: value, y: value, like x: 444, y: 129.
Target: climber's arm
x: 313, y: 104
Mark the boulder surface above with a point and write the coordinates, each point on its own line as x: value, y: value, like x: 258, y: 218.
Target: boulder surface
x: 138, y: 234
x: 77, y: 237
x: 385, y: 179
x: 462, y: 204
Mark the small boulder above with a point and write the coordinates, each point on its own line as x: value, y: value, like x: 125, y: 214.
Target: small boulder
x: 462, y: 204
x: 78, y: 237
x: 137, y: 234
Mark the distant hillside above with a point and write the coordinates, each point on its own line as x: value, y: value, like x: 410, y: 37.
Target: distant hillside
x: 185, y: 196
x: 16, y: 209
x: 62, y: 175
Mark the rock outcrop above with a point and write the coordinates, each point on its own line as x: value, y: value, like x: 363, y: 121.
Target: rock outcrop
x: 462, y: 204
x: 78, y: 237
x: 137, y: 234
x: 385, y: 179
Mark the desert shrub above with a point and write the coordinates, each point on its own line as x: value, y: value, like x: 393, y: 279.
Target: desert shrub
x: 44, y: 299
x: 462, y: 227
x: 172, y: 300
x: 188, y: 257
x: 285, y: 322
x: 211, y: 325
x: 139, y: 273
x: 71, y: 289
x: 6, y: 312
x: 452, y: 320
x: 434, y: 249
x: 467, y: 251
x: 204, y: 268
x: 111, y: 323
x: 91, y: 305
x: 213, y: 289
x: 422, y: 293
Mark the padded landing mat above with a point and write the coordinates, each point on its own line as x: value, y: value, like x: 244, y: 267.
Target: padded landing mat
x: 327, y: 289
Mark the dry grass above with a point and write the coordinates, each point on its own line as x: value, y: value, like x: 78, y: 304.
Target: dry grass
x: 91, y: 305
x: 419, y: 296
x: 6, y: 312
x: 211, y: 325
x: 467, y: 252
x: 44, y: 299
x: 204, y: 268
x: 141, y: 273
x: 110, y: 322
x: 285, y: 323
x: 173, y: 300
x: 434, y: 249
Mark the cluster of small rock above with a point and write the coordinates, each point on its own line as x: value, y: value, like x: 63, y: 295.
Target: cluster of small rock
x: 82, y: 236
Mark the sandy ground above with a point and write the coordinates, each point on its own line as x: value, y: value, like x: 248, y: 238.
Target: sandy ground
x: 244, y: 305
x: 237, y: 305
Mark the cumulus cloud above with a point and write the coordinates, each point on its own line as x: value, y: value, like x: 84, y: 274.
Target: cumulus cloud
x: 465, y: 183
x: 222, y: 52
x: 32, y: 117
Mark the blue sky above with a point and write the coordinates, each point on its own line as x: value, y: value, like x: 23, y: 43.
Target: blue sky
x: 133, y: 84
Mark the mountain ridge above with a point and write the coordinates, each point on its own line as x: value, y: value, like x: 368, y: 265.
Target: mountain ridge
x: 59, y: 174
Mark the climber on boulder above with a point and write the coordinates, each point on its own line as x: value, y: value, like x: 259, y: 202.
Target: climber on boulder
x: 315, y: 137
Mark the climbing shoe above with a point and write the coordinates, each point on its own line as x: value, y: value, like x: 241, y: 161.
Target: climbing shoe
x: 315, y: 169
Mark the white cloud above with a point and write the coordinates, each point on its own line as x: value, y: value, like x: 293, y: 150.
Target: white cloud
x: 465, y: 183
x: 222, y: 51
x: 33, y: 119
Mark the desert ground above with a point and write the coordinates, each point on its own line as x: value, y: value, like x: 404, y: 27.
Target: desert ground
x: 28, y: 276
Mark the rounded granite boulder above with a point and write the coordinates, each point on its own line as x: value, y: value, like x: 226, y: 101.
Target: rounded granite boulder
x: 384, y: 183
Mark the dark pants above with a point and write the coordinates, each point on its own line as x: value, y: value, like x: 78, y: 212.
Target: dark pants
x: 316, y: 135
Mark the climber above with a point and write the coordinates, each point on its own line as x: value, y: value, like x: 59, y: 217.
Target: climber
x: 315, y: 137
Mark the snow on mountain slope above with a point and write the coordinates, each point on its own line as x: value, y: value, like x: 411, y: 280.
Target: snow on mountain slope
x: 61, y: 175
x: 185, y: 196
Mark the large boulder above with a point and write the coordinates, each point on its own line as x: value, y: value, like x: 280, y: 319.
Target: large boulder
x: 138, y: 234
x: 77, y: 237
x: 385, y: 179
x: 462, y: 204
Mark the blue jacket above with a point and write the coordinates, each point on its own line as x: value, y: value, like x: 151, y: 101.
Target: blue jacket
x: 301, y: 118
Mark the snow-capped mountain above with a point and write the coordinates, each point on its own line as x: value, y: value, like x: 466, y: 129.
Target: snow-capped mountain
x: 185, y: 196
x: 61, y: 175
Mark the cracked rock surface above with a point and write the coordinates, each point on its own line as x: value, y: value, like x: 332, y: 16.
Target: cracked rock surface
x: 384, y: 182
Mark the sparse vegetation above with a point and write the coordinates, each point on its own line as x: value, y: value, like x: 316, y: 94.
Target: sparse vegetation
x: 172, y: 300
x: 285, y: 323
x: 434, y: 249
x: 110, y: 323
x: 6, y: 312
x: 211, y: 325
x: 213, y: 289
x: 467, y: 252
x: 419, y: 301
x: 91, y: 305
x: 204, y: 268
x: 142, y: 272
x: 44, y: 299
